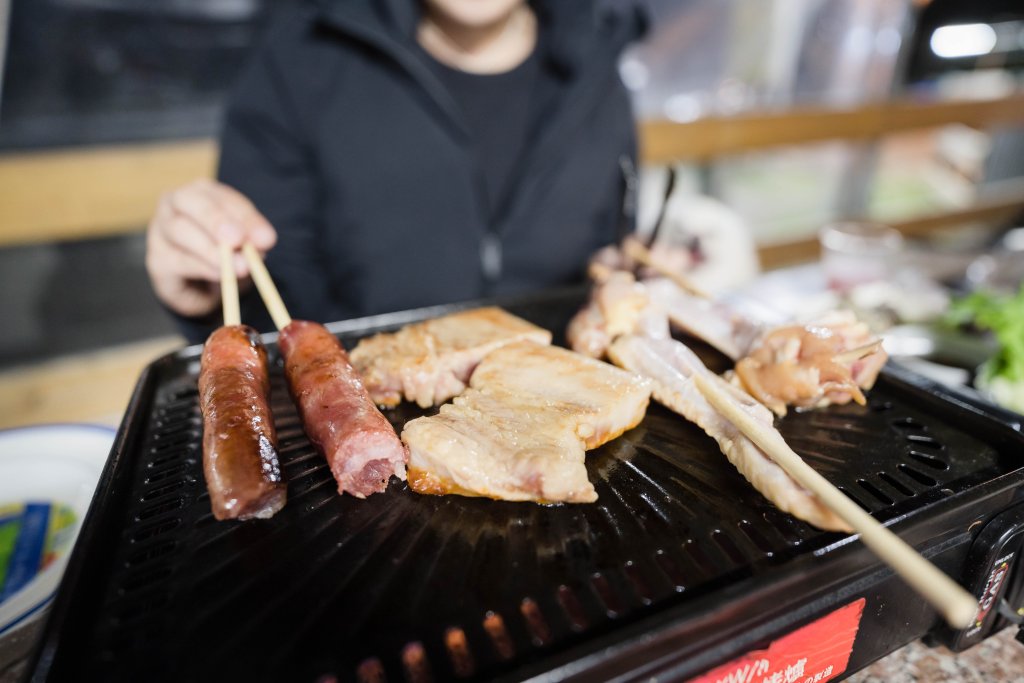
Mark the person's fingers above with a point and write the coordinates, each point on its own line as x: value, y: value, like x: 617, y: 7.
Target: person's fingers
x: 204, y: 208
x: 184, y: 235
x: 182, y: 252
x: 166, y: 260
x: 254, y: 225
x: 241, y: 266
x: 187, y: 266
x: 181, y: 281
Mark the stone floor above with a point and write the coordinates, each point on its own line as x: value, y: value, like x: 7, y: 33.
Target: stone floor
x: 999, y: 659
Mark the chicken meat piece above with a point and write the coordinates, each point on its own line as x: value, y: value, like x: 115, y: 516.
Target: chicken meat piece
x: 710, y: 320
x: 520, y: 432
x: 429, y: 362
x: 618, y: 305
x: 670, y: 365
x: 808, y: 366
x: 830, y: 360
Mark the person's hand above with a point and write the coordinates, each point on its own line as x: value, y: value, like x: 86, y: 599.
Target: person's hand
x: 182, y: 255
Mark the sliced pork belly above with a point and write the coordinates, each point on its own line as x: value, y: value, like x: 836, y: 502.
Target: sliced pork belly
x: 520, y: 432
x: 429, y: 362
x: 671, y: 366
x: 499, y: 445
x: 606, y: 400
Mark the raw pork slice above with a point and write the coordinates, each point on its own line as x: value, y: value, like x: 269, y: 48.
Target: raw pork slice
x: 429, y: 362
x: 520, y: 431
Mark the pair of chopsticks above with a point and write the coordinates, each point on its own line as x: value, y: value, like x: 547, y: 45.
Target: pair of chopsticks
x: 954, y: 603
x: 267, y: 290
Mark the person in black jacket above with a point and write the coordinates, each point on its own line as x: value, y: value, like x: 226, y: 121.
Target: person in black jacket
x: 390, y: 154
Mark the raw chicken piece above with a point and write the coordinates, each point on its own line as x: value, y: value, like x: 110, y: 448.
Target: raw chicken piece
x: 713, y: 321
x: 618, y: 305
x: 808, y: 366
x: 671, y: 366
x: 805, y: 366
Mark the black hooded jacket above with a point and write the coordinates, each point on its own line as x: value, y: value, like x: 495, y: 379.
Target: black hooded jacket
x: 342, y: 135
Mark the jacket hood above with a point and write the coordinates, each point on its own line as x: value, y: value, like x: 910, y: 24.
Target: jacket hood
x: 576, y: 27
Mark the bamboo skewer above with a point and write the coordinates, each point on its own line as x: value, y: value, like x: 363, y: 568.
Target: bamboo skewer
x: 229, y: 287
x: 856, y: 354
x: 265, y: 285
x: 955, y: 604
x: 638, y: 252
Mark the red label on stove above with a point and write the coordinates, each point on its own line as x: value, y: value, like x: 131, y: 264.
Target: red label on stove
x: 813, y: 653
x: 991, y: 594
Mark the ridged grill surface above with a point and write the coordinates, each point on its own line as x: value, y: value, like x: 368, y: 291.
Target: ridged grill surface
x: 403, y: 587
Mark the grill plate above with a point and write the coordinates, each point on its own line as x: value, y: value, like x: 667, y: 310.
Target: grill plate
x: 408, y: 587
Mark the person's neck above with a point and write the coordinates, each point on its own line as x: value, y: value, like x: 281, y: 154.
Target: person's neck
x: 494, y: 48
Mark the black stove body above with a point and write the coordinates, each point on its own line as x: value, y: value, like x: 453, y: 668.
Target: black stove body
x: 680, y: 570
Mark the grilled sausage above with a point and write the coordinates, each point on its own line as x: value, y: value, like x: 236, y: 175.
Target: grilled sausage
x: 340, y: 418
x: 240, y: 461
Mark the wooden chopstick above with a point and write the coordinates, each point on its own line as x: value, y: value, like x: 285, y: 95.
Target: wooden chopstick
x: 638, y: 252
x: 954, y: 603
x: 268, y: 292
x: 229, y: 287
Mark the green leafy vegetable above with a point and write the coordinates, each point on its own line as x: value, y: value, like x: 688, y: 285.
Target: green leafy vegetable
x: 1004, y: 316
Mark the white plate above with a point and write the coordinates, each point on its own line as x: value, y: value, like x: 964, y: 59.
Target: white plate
x: 58, y: 464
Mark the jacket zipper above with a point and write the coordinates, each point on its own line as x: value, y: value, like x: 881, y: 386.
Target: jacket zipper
x: 576, y: 100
